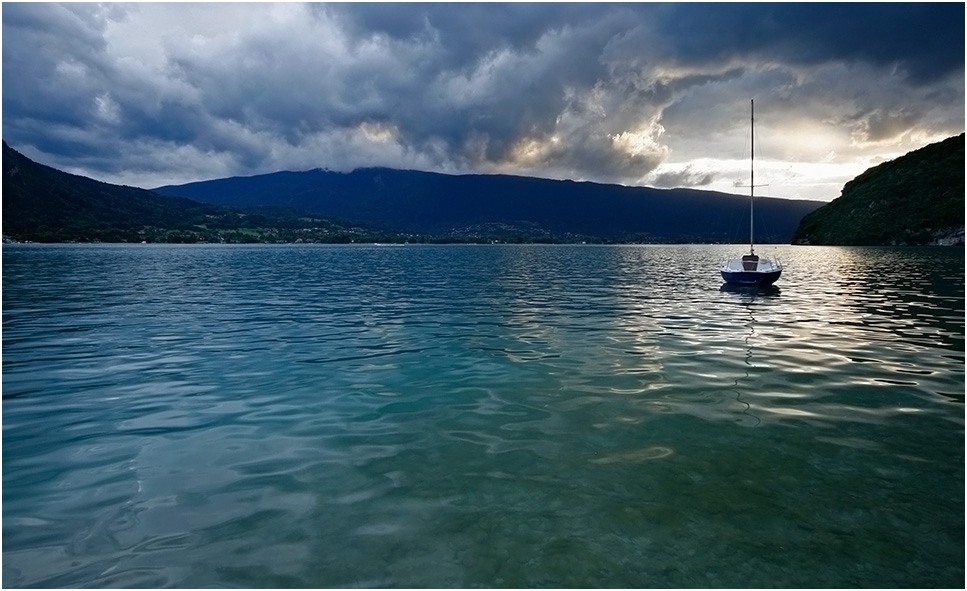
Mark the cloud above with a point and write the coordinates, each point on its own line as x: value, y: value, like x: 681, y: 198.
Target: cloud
x: 914, y: 38
x: 150, y: 94
x: 686, y: 177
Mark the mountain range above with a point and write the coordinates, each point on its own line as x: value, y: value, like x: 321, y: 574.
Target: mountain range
x: 507, y: 207
x: 915, y: 199
x: 43, y: 204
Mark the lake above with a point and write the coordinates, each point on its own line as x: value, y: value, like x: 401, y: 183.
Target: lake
x: 480, y: 416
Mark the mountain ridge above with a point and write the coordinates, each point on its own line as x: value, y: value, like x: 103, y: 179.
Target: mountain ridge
x: 44, y: 204
x: 916, y: 199
x: 436, y: 203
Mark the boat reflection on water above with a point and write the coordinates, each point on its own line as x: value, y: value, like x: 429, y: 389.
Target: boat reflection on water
x: 751, y: 290
x: 748, y: 295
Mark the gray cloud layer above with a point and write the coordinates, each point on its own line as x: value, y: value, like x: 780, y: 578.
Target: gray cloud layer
x: 149, y: 94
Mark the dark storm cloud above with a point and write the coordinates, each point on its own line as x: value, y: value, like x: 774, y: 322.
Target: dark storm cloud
x: 608, y: 92
x: 42, y: 47
x: 467, y: 30
x: 492, y: 69
x: 64, y: 94
x: 925, y: 40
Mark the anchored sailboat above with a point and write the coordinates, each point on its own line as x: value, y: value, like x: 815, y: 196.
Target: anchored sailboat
x: 751, y: 269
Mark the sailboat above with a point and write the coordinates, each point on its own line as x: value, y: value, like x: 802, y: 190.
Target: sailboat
x: 751, y: 269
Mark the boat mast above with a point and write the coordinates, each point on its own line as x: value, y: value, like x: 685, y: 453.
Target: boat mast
x: 752, y: 179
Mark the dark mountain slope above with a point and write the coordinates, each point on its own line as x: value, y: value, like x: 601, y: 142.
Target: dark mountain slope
x: 46, y: 205
x: 43, y: 204
x: 422, y: 202
x: 915, y: 199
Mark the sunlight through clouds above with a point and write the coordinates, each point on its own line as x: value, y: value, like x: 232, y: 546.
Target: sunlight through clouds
x: 625, y: 93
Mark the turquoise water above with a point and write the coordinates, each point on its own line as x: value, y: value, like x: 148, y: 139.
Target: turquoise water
x: 480, y: 416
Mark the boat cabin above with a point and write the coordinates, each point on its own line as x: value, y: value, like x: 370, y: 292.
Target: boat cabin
x: 750, y: 262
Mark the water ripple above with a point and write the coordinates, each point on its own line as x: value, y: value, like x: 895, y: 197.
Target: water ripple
x: 480, y: 416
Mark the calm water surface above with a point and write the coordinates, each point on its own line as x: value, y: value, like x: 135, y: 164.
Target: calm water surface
x: 480, y: 416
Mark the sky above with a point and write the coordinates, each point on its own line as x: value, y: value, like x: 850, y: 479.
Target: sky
x: 150, y: 94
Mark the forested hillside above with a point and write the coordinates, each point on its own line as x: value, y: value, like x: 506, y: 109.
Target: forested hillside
x: 43, y: 204
x: 503, y: 206
x: 915, y: 199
